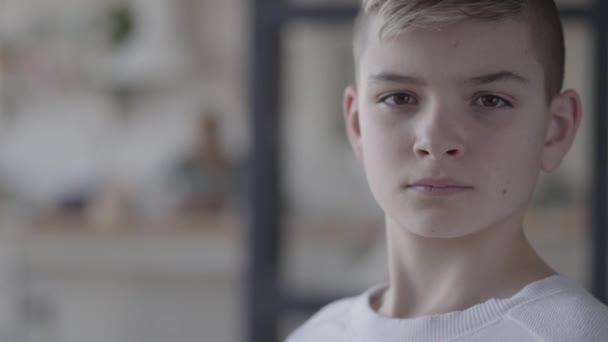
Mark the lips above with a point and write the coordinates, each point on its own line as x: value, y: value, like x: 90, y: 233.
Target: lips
x: 440, y: 183
x: 439, y: 186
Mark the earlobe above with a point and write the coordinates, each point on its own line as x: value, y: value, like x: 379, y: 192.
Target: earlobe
x: 565, y: 116
x: 351, y: 120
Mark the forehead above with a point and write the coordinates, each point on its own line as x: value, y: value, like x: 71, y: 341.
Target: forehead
x: 455, y: 51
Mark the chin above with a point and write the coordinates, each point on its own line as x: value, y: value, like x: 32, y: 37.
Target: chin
x: 439, y: 234
x: 439, y: 230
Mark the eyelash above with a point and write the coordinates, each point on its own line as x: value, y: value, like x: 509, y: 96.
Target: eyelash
x: 503, y: 103
x: 385, y: 98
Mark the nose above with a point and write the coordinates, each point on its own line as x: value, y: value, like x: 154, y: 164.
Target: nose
x: 438, y: 140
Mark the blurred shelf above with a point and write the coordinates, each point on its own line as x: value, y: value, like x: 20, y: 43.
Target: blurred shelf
x: 199, y: 249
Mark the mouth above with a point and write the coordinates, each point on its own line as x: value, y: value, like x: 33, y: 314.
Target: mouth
x: 439, y: 187
x: 439, y: 190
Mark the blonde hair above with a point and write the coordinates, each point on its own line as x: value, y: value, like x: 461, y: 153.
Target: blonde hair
x: 542, y: 15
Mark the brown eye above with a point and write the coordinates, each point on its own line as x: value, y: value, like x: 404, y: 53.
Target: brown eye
x: 399, y: 99
x: 492, y: 101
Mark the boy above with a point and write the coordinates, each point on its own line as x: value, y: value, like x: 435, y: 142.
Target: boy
x: 457, y: 108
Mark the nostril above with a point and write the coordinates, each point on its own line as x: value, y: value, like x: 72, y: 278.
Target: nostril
x: 423, y: 152
x: 427, y: 152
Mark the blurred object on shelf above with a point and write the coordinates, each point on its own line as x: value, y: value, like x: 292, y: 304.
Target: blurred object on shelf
x: 5, y: 57
x: 75, y: 202
x: 147, y: 49
x: 204, y: 178
x: 110, y: 208
x: 196, y: 224
x: 121, y: 24
x: 7, y: 81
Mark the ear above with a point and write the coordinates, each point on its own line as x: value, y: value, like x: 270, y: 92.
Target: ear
x: 350, y: 111
x: 565, y: 113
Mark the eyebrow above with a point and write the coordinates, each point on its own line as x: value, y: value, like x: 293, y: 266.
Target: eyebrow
x: 478, y: 80
x: 396, y: 78
x: 498, y: 76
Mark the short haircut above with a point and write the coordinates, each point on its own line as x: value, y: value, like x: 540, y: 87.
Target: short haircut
x: 545, y: 27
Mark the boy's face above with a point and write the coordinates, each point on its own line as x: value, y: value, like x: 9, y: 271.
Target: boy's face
x: 465, y: 107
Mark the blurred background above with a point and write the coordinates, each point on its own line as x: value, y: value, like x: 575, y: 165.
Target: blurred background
x: 126, y: 152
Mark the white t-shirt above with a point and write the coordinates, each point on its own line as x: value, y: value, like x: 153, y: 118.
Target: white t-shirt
x: 553, y: 309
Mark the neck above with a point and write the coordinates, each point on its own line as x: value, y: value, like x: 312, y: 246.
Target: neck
x: 434, y: 276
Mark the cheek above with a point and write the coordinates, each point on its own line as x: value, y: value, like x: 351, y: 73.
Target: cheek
x: 380, y: 157
x: 384, y: 156
x: 514, y: 166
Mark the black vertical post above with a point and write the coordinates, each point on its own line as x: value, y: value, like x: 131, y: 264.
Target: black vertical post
x: 265, y: 191
x: 600, y: 153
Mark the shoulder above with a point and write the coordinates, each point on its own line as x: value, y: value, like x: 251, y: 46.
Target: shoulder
x: 328, y: 324
x: 571, y: 314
